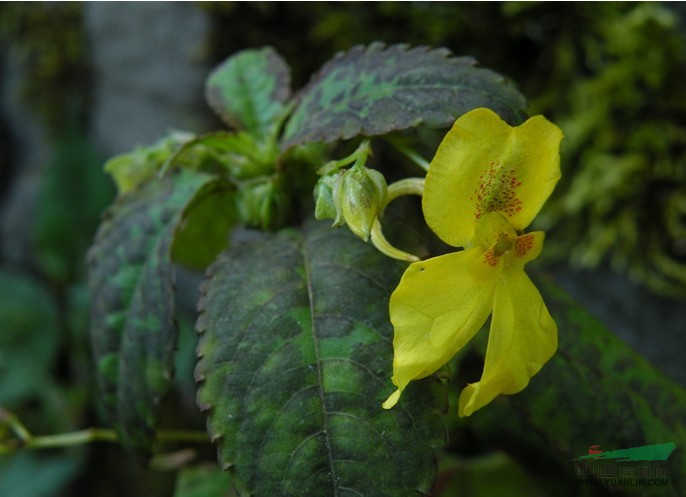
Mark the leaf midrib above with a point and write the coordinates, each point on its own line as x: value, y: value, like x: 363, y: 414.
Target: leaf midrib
x: 320, y: 380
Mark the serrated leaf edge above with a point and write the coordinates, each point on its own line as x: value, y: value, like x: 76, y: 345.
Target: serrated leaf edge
x: 377, y: 47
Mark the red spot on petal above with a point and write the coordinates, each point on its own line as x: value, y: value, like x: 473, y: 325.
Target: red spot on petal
x: 490, y: 258
x: 496, y: 191
x: 523, y: 244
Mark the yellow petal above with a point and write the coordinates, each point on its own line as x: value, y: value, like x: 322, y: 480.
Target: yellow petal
x: 437, y: 308
x: 526, y: 248
x: 522, y: 338
x: 484, y: 165
x: 491, y: 228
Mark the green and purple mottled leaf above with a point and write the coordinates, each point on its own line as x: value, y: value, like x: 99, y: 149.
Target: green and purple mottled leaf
x: 131, y: 279
x: 250, y: 89
x: 595, y: 390
x: 295, y: 359
x: 375, y: 90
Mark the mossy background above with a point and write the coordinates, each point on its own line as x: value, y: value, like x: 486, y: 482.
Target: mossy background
x: 611, y: 75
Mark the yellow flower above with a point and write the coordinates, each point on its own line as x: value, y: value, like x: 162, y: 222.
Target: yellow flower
x: 485, y: 185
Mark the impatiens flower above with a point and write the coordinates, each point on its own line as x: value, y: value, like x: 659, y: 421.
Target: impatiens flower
x: 485, y: 185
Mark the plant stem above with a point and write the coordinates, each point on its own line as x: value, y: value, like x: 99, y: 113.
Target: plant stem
x: 382, y: 245
x: 407, y: 186
x: 13, y: 423
x: 91, y: 435
x: 359, y: 156
x: 23, y: 439
x: 74, y: 438
x: 410, y: 153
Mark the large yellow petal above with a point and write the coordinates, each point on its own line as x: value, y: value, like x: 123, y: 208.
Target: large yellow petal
x: 436, y: 309
x: 522, y: 338
x: 484, y: 165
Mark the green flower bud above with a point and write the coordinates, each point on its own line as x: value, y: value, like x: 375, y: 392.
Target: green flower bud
x: 361, y: 196
x: 326, y: 206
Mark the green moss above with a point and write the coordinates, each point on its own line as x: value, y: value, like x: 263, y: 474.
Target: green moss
x: 623, y: 197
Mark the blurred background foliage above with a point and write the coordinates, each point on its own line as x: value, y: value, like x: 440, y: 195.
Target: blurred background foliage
x: 49, y: 40
x: 609, y: 74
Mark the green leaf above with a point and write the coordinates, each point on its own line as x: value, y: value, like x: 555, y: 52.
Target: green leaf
x: 375, y: 90
x: 33, y: 474
x: 29, y: 339
x: 295, y: 361
x: 485, y: 476
x: 73, y: 193
x: 249, y: 90
x: 203, y: 233
x: 203, y: 482
x: 240, y: 154
x: 133, y: 169
x: 595, y: 390
x: 131, y: 279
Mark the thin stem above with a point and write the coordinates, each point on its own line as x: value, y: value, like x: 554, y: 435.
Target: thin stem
x: 14, y: 424
x: 383, y: 246
x: 23, y: 439
x: 407, y: 186
x: 359, y: 156
x: 410, y: 153
x: 74, y: 438
x: 91, y: 435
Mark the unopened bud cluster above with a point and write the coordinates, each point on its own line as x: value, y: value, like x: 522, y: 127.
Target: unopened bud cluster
x: 354, y: 197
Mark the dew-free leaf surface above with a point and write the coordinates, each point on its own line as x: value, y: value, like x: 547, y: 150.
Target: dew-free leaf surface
x: 376, y: 89
x: 295, y: 359
x: 132, y: 312
x: 249, y: 90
